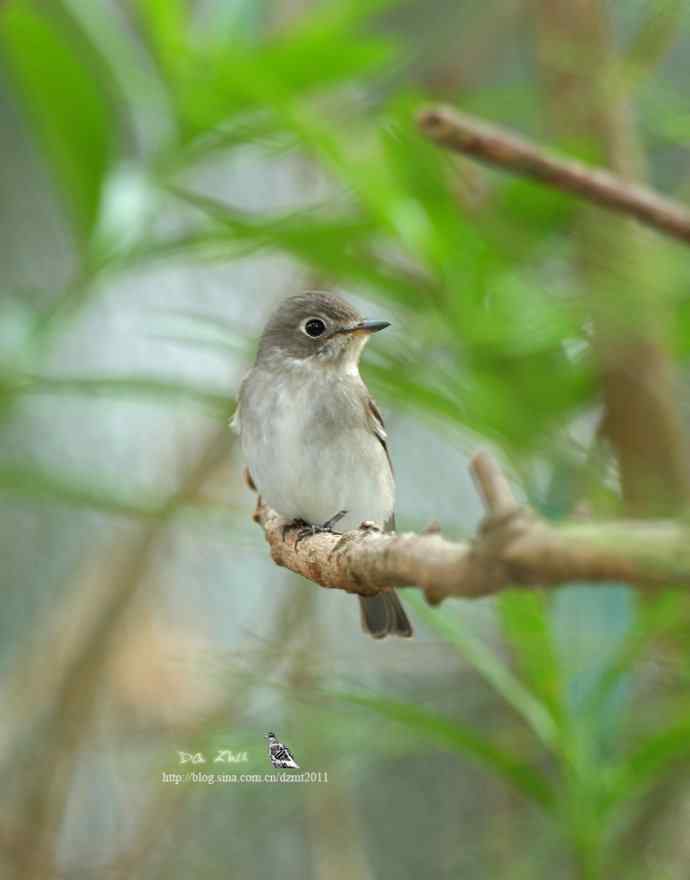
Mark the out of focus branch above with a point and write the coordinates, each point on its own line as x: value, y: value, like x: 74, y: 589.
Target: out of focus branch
x: 497, y: 146
x: 512, y: 547
x: 68, y: 693
x: 588, y: 100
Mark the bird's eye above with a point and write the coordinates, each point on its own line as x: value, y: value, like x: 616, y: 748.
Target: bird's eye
x: 314, y: 327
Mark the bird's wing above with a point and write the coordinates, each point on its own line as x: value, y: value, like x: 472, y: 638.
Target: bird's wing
x: 235, y: 421
x: 235, y: 424
x: 377, y: 426
x: 284, y: 756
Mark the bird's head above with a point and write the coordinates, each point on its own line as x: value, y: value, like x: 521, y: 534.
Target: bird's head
x: 317, y: 327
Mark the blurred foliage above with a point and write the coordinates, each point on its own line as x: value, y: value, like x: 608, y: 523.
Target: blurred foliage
x: 497, y: 333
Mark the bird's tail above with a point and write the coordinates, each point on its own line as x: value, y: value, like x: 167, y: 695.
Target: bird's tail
x: 383, y: 615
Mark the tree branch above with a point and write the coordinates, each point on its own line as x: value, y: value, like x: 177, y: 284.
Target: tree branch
x: 465, y: 134
x: 512, y: 547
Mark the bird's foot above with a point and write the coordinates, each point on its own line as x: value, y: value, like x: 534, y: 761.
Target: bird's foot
x: 293, y: 524
x: 334, y: 520
x: 308, y: 531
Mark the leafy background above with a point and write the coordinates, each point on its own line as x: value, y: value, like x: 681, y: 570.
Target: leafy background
x: 169, y: 170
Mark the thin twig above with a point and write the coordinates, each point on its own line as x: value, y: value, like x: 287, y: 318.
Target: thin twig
x: 492, y: 485
x: 497, y: 146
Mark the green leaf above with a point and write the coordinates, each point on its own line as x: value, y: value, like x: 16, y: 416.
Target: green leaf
x: 525, y: 619
x: 53, y: 487
x: 166, y: 24
x: 216, y: 80
x: 417, y: 386
x: 492, y: 669
x: 47, y: 486
x: 527, y: 215
x: 664, y: 616
x: 457, y: 736
x: 129, y: 387
x: 64, y: 100
x: 337, y: 245
x: 650, y: 761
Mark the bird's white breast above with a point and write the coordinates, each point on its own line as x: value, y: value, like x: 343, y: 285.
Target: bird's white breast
x: 311, y: 449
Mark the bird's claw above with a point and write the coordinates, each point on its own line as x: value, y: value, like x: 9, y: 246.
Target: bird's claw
x: 334, y: 520
x: 293, y: 524
x: 308, y: 531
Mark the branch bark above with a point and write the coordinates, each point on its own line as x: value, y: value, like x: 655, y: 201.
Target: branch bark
x: 494, y: 145
x: 513, y: 547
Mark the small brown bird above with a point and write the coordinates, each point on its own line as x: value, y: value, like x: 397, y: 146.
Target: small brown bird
x: 313, y: 437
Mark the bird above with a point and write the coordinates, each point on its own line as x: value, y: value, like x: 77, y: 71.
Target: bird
x: 279, y: 754
x: 312, y: 435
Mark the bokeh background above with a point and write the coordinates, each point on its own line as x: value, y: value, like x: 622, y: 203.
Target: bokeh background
x: 169, y: 169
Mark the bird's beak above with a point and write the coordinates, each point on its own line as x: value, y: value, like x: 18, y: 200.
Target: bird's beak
x: 369, y: 326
